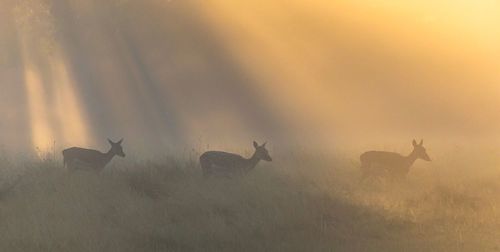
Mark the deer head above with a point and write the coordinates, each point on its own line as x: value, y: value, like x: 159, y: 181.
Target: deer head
x: 420, y: 151
x: 116, y: 148
x: 261, y: 152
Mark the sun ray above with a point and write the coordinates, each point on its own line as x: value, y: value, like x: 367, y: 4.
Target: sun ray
x: 69, y: 108
x: 41, y: 130
x: 56, y: 114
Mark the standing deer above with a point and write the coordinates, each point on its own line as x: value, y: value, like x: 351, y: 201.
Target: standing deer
x: 79, y: 158
x: 218, y: 162
x: 390, y: 164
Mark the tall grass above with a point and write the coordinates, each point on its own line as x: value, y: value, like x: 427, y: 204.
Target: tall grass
x: 294, y: 204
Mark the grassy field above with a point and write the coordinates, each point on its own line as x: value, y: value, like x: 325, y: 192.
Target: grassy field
x: 296, y: 203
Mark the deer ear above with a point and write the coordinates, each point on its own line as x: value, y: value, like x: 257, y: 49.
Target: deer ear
x: 421, y: 142
x: 264, y: 145
x: 120, y: 142
x: 414, y: 143
x: 255, y: 144
x: 110, y: 142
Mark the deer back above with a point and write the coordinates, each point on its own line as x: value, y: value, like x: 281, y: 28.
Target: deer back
x: 223, y: 159
x: 87, y: 156
x: 391, y: 162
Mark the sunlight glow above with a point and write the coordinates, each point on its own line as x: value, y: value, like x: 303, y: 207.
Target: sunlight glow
x: 330, y: 71
x: 63, y: 112
x: 354, y: 66
x: 56, y: 114
x: 68, y: 106
x: 41, y: 130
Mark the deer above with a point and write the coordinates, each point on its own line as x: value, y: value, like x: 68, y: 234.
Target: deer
x: 79, y: 158
x: 224, y: 163
x: 390, y: 164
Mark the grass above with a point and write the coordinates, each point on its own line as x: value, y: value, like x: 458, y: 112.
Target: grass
x: 294, y: 204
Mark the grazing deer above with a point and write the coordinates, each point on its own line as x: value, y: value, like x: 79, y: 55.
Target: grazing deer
x: 390, y: 164
x: 79, y: 158
x: 218, y: 162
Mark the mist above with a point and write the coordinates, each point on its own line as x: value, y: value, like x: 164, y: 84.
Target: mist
x: 182, y: 74
x: 375, y: 123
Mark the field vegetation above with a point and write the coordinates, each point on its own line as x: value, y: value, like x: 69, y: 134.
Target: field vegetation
x: 296, y: 203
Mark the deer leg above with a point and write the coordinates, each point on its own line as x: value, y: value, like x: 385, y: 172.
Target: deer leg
x: 364, y: 171
x: 206, y: 173
x: 70, y: 164
x: 206, y: 169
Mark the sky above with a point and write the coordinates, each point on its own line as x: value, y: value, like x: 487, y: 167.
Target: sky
x: 171, y: 74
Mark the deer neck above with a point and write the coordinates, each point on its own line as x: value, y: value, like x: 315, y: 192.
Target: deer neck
x: 410, y: 159
x: 253, y: 161
x: 108, y: 156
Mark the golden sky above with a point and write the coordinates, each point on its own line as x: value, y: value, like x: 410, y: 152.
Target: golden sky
x: 220, y: 72
x: 372, y: 67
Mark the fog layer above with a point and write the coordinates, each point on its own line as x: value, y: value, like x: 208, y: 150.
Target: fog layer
x: 179, y: 74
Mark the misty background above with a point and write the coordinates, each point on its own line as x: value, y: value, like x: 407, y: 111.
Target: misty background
x: 171, y: 74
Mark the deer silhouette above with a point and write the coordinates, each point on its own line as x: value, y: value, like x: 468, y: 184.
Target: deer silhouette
x: 79, y: 158
x: 390, y: 164
x: 224, y: 163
